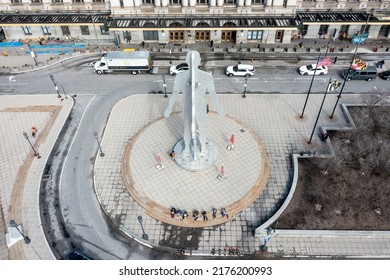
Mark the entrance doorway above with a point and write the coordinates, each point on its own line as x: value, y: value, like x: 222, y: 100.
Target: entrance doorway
x: 202, y: 36
x: 176, y: 36
x: 229, y: 36
x: 384, y: 31
x: 279, y: 35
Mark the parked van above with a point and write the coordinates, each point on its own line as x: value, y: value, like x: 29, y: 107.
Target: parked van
x: 369, y: 74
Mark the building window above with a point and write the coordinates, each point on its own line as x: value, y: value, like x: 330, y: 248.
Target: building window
x: 151, y: 35
x: 261, y: 2
x: 46, y: 30
x: 36, y: 1
x: 202, y: 2
x: 285, y: 3
x: 323, y: 30
x: 229, y: 2
x: 104, y: 30
x: 121, y: 3
x: 78, y: 1
x: 27, y: 30
x: 174, y: 2
x: 84, y: 29
x: 16, y: 1
x: 57, y: 1
x: 98, y: 1
x: 148, y: 2
x: 255, y: 35
x: 65, y: 30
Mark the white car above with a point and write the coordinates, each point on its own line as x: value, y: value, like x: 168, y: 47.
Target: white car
x: 244, y: 70
x: 178, y: 68
x: 311, y: 68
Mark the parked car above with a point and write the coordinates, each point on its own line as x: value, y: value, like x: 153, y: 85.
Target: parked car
x: 311, y: 68
x: 385, y: 75
x: 358, y: 74
x: 244, y: 70
x: 178, y: 68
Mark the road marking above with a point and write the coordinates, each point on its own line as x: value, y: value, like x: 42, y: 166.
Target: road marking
x: 12, y: 79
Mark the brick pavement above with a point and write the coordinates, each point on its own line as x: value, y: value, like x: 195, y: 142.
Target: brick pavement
x: 21, y: 172
x: 274, y: 119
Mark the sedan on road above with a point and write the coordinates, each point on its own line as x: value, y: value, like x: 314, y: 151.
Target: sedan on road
x: 311, y: 69
x: 178, y: 68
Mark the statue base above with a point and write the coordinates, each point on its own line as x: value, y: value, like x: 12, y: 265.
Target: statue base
x: 201, y: 163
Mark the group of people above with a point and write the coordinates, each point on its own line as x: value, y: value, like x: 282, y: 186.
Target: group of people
x: 181, y: 214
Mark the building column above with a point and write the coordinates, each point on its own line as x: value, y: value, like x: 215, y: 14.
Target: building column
x: 271, y: 37
x: 164, y: 3
x: 220, y: 3
x: 374, y: 31
x: 137, y: 3
x: 157, y: 3
x: 248, y: 3
x: 286, y: 36
x: 240, y: 3
x: 212, y: 3
x: 192, y: 3
x: 184, y: 3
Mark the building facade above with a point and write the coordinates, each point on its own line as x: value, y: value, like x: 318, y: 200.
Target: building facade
x: 191, y: 21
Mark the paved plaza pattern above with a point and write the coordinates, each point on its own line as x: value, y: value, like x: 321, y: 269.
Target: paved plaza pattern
x: 21, y: 171
x: 273, y: 118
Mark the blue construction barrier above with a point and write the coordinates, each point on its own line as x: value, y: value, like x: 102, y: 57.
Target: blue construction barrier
x: 11, y: 44
x: 60, y: 46
x: 51, y: 52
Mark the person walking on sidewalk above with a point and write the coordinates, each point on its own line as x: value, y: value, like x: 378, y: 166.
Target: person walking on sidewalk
x: 335, y: 60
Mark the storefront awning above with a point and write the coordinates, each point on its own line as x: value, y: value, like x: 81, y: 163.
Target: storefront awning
x: 53, y: 19
x: 337, y: 18
x: 198, y: 23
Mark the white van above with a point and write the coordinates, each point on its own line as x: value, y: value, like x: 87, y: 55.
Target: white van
x: 244, y: 70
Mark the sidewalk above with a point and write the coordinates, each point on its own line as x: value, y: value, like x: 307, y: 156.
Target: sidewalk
x: 21, y: 171
x: 18, y: 59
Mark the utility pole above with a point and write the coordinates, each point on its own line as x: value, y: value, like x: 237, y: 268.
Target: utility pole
x: 55, y: 86
x: 245, y: 85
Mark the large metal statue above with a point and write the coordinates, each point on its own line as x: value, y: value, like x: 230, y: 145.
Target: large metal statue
x: 193, y: 84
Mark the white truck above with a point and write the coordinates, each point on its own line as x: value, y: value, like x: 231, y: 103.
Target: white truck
x: 118, y: 61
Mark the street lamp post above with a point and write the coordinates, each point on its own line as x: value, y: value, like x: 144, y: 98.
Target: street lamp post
x: 319, y: 112
x: 26, y: 136
x: 240, y: 53
x: 349, y: 68
x: 170, y: 55
x: 144, y: 235
x: 27, y: 240
x: 266, y: 239
x: 97, y: 140
x: 55, y: 86
x: 97, y: 37
x: 165, y: 87
x: 66, y: 97
x: 245, y: 85
x: 33, y: 54
x: 312, y: 80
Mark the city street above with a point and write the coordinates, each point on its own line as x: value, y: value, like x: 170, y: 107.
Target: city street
x: 81, y: 222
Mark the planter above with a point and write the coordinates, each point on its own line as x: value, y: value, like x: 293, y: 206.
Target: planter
x: 218, y: 50
x: 301, y: 50
x: 290, y: 49
x: 266, y: 49
x: 186, y: 50
x: 254, y: 50
x: 278, y: 50
x: 164, y: 50
x: 232, y: 50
